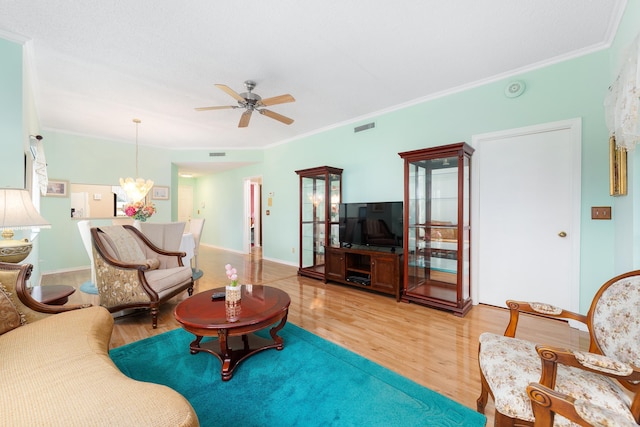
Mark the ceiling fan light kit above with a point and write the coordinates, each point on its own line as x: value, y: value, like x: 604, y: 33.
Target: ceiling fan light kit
x: 252, y: 102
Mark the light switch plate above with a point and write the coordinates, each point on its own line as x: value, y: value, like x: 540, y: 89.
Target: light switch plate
x: 601, y: 212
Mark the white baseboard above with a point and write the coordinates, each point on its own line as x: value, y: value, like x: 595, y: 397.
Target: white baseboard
x: 279, y: 261
x: 65, y: 270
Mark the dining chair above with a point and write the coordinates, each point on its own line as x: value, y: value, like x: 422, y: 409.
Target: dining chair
x: 195, y: 227
x: 88, y: 287
x: 125, y: 220
x: 164, y: 235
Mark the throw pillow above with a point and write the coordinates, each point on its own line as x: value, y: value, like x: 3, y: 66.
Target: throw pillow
x: 10, y: 317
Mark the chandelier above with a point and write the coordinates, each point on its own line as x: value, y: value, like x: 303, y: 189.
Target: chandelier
x: 136, y: 188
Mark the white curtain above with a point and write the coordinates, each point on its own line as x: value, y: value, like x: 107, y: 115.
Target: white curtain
x: 623, y: 101
x: 40, y: 167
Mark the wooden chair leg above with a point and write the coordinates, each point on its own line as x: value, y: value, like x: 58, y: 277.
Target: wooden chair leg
x: 154, y: 317
x: 481, y: 403
x: 504, y: 421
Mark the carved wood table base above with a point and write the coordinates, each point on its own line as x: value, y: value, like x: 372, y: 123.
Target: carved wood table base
x: 262, y: 307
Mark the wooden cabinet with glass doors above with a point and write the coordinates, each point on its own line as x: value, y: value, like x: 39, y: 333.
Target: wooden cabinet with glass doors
x: 437, y: 246
x: 320, y: 194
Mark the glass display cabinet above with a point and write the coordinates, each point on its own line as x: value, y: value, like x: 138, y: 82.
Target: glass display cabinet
x: 320, y: 195
x: 437, y: 245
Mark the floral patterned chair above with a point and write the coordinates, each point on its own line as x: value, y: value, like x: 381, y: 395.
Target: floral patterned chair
x: 530, y: 383
x: 131, y: 272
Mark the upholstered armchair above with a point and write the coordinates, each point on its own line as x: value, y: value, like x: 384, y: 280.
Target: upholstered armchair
x: 132, y: 272
x: 17, y: 306
x: 531, y: 383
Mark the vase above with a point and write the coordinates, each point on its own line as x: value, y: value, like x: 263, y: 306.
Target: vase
x: 233, y: 293
x: 233, y: 302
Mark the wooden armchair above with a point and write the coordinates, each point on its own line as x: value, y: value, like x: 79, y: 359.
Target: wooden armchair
x: 13, y: 278
x: 131, y: 272
x: 530, y: 383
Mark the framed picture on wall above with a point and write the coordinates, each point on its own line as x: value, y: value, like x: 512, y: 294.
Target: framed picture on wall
x: 160, y: 193
x: 57, y: 188
x: 617, y: 169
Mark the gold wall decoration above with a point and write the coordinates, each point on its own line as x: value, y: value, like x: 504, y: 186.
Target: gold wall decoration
x: 617, y: 169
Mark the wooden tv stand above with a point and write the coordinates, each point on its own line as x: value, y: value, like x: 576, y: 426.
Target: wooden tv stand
x: 377, y: 270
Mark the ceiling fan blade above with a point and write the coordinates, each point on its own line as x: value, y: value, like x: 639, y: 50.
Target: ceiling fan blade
x: 230, y: 91
x: 277, y: 100
x: 223, y: 107
x: 244, y: 119
x: 278, y: 117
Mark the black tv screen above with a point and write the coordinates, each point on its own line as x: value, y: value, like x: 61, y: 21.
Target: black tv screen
x: 371, y: 224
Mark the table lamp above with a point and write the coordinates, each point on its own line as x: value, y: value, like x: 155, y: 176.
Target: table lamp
x: 17, y: 213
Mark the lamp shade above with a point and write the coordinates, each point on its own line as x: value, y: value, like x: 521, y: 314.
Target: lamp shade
x: 17, y: 212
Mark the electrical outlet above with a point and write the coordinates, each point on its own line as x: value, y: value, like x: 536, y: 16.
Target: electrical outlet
x: 601, y: 212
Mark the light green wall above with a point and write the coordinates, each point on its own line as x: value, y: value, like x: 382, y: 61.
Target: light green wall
x: 373, y: 170
x: 18, y: 120
x: 86, y: 160
x: 626, y: 210
x: 223, y: 195
x: 11, y: 132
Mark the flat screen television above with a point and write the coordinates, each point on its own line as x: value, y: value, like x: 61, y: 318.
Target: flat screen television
x: 371, y: 224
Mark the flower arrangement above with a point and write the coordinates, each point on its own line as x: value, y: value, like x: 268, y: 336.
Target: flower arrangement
x: 139, y: 210
x: 232, y: 274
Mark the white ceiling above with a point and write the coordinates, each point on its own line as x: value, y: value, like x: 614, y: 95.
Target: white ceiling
x: 97, y: 64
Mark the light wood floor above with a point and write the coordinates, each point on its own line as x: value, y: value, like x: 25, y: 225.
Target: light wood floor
x: 432, y: 347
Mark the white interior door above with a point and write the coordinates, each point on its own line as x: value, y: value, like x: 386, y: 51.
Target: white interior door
x: 252, y: 234
x: 526, y: 215
x: 257, y: 217
x: 185, y: 203
x: 247, y: 217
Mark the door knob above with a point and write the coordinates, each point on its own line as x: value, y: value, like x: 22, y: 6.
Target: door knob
x: 562, y: 234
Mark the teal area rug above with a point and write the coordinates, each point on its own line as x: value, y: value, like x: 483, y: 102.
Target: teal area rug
x: 89, y: 288
x: 311, y: 382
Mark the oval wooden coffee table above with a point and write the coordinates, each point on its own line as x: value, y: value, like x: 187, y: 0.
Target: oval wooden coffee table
x: 261, y: 307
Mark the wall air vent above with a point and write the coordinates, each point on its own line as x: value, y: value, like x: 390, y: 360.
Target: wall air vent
x: 364, y: 127
x: 217, y: 154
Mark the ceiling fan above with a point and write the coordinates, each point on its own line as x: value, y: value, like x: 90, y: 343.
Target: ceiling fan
x: 252, y: 102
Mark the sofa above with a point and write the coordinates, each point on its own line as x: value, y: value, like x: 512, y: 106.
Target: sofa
x: 56, y: 369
